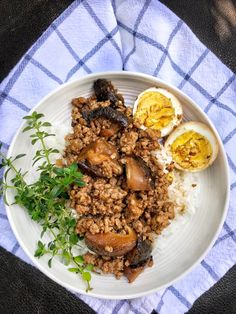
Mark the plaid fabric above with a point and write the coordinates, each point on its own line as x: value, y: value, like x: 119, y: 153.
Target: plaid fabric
x: 144, y: 36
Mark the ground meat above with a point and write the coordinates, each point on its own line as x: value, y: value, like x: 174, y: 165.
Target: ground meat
x: 107, y: 265
x: 134, y: 208
x: 128, y: 142
x: 105, y: 198
x: 105, y: 204
x: 101, y: 224
x: 146, y: 143
x: 110, y: 168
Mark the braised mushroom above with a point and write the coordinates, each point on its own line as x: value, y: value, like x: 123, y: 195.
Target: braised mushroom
x: 131, y: 273
x: 108, y: 113
x: 111, y: 244
x: 113, y: 129
x: 104, y: 90
x: 139, y: 258
x: 90, y: 170
x: 140, y: 253
x: 138, y: 174
x: 98, y: 151
x: 93, y: 155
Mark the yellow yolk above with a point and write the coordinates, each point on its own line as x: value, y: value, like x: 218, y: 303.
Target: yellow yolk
x: 154, y: 110
x: 191, y: 150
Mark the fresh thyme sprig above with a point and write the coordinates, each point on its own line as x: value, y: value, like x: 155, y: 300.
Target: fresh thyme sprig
x: 46, y: 198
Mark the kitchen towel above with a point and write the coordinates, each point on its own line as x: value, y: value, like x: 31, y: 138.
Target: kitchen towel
x: 133, y: 35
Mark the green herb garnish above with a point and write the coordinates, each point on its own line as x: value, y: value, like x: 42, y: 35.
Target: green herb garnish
x: 45, y: 199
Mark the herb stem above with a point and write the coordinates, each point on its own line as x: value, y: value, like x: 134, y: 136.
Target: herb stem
x: 46, y: 199
x: 44, y: 147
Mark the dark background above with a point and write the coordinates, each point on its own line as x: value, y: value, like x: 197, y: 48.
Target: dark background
x: 23, y: 21
x: 23, y: 289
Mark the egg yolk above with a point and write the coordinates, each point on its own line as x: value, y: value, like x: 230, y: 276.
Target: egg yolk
x: 191, y: 150
x: 154, y: 110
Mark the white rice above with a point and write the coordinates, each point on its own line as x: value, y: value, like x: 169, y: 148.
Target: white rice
x: 58, y: 141
x: 183, y: 192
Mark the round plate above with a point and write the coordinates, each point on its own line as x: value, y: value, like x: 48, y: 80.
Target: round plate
x: 183, y: 249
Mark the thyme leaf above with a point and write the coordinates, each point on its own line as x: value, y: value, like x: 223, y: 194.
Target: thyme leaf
x: 45, y: 199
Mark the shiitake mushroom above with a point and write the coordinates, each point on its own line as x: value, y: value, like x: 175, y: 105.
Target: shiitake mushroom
x: 95, y: 154
x: 104, y: 90
x: 113, y: 129
x: 111, y: 243
x: 98, y: 151
x: 139, y: 258
x: 140, y: 253
x: 108, y: 113
x: 138, y: 174
x: 131, y: 273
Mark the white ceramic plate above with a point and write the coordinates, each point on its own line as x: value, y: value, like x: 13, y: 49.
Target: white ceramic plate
x: 183, y: 250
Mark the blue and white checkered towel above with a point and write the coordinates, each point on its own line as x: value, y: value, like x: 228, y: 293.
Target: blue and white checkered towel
x: 136, y: 35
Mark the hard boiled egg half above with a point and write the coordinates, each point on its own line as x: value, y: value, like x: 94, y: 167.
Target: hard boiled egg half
x: 193, y: 146
x: 158, y: 109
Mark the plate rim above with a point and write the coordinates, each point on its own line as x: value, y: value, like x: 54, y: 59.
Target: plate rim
x: 81, y: 290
